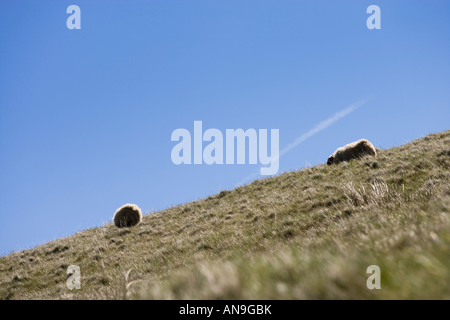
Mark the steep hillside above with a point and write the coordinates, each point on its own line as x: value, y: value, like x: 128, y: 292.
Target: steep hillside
x: 305, y: 234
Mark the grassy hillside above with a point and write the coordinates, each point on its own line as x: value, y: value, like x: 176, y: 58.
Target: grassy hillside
x: 305, y: 234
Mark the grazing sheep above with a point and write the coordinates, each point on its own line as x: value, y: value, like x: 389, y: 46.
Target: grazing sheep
x: 127, y: 216
x: 352, y: 150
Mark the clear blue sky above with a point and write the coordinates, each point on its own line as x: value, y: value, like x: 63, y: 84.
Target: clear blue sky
x: 86, y: 115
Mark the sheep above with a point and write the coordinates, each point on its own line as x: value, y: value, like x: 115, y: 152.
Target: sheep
x: 127, y: 216
x: 352, y: 150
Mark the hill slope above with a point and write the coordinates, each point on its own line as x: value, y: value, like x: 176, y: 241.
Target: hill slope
x: 305, y: 234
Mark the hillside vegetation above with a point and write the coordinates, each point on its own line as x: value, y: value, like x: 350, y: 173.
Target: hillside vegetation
x: 308, y: 234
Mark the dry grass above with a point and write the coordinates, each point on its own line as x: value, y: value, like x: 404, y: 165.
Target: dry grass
x: 305, y: 234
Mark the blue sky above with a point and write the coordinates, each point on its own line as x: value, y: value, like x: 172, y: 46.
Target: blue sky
x: 86, y: 115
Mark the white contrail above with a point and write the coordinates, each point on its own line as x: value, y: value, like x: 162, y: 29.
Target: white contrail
x: 319, y: 127
x: 322, y: 126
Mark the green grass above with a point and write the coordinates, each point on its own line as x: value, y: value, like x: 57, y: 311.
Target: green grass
x: 308, y: 234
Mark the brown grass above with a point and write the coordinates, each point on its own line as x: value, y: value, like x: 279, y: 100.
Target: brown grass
x: 304, y: 234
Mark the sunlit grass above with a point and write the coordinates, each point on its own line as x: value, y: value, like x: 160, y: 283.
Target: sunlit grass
x: 305, y: 234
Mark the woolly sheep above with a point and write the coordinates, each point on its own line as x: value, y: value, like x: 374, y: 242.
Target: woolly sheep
x: 352, y: 150
x: 127, y: 216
